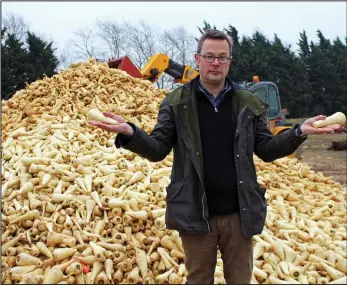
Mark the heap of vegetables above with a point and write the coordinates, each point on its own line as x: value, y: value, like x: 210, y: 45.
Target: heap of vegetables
x: 77, y: 210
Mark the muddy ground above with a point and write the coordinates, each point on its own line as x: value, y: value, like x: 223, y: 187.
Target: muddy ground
x: 329, y: 162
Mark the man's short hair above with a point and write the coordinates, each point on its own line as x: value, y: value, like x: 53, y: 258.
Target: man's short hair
x: 214, y: 35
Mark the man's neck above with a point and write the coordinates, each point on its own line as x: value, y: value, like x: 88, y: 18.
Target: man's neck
x: 213, y: 89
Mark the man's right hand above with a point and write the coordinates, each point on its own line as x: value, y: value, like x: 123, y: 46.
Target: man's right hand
x: 122, y: 128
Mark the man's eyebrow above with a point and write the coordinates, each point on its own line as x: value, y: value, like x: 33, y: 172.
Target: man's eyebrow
x: 211, y: 53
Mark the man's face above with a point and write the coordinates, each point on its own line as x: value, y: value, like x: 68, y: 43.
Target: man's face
x: 215, y: 72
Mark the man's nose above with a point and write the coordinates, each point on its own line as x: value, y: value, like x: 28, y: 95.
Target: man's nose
x: 215, y: 61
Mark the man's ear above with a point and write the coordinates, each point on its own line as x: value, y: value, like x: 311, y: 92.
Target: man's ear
x: 230, y: 61
x: 197, y: 59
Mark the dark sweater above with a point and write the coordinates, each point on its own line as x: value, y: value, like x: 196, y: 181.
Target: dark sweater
x: 217, y: 131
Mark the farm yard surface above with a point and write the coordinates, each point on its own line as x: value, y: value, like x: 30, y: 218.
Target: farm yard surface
x: 316, y: 153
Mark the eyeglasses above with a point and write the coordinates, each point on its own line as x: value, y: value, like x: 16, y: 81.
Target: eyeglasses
x: 221, y: 59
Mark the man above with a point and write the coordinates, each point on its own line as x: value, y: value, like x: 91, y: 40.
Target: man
x: 214, y: 127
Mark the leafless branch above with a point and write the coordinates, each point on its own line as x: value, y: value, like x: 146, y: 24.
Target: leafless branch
x: 141, y: 41
x: 85, y: 45
x: 16, y: 25
x: 66, y: 58
x: 113, y: 34
x: 182, y: 45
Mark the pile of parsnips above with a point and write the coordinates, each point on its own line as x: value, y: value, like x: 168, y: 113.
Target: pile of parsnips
x: 304, y: 239
x: 77, y: 210
x: 71, y: 93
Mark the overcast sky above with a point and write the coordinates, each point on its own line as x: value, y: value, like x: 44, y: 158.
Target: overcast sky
x: 58, y: 20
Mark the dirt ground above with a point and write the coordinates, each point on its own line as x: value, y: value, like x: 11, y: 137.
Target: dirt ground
x: 320, y: 158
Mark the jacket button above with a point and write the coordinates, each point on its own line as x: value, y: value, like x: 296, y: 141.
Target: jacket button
x: 197, y: 153
x: 237, y: 130
x: 249, y: 117
x: 241, y: 182
x: 184, y: 106
x: 238, y: 155
x: 244, y: 209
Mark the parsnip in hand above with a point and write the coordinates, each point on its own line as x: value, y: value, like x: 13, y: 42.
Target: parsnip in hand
x: 338, y: 118
x: 96, y: 115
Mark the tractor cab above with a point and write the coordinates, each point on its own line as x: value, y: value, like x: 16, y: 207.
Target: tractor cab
x: 268, y: 92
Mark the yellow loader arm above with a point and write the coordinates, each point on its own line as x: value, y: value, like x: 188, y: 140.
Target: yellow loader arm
x: 160, y: 63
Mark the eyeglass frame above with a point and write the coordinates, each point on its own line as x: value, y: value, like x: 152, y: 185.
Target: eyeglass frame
x: 214, y: 57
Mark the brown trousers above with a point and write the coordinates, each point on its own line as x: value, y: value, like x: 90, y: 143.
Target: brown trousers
x: 236, y: 250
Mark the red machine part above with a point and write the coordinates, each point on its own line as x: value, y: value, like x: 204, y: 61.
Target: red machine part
x: 124, y: 63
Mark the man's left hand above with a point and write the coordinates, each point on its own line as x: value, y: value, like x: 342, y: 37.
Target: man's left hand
x: 307, y: 128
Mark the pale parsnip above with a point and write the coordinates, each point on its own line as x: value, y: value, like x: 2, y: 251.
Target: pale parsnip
x: 338, y: 118
x: 96, y: 115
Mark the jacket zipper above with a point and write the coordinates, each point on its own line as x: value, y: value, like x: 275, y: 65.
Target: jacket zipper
x: 203, y: 196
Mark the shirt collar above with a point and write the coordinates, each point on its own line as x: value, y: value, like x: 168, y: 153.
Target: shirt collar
x: 227, y: 87
x: 202, y: 87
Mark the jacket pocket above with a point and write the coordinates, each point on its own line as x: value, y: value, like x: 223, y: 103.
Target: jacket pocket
x: 173, y: 190
x: 248, y: 145
x: 261, y: 192
x: 258, y: 201
x: 182, y: 213
x: 258, y: 210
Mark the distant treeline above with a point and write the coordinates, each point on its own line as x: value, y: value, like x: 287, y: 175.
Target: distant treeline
x: 311, y: 81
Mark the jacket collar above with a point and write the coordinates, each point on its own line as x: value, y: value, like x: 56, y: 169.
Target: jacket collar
x: 244, y: 98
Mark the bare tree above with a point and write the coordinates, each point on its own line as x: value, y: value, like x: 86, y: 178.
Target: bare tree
x: 141, y: 41
x: 144, y: 42
x: 85, y: 45
x: 16, y: 25
x: 181, y: 43
x: 113, y: 34
x: 66, y: 58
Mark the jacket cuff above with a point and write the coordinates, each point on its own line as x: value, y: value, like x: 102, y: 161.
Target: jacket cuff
x: 298, y: 131
x: 295, y: 138
x: 124, y: 140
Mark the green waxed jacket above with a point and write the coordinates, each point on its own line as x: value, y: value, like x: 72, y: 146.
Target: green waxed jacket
x: 178, y: 128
